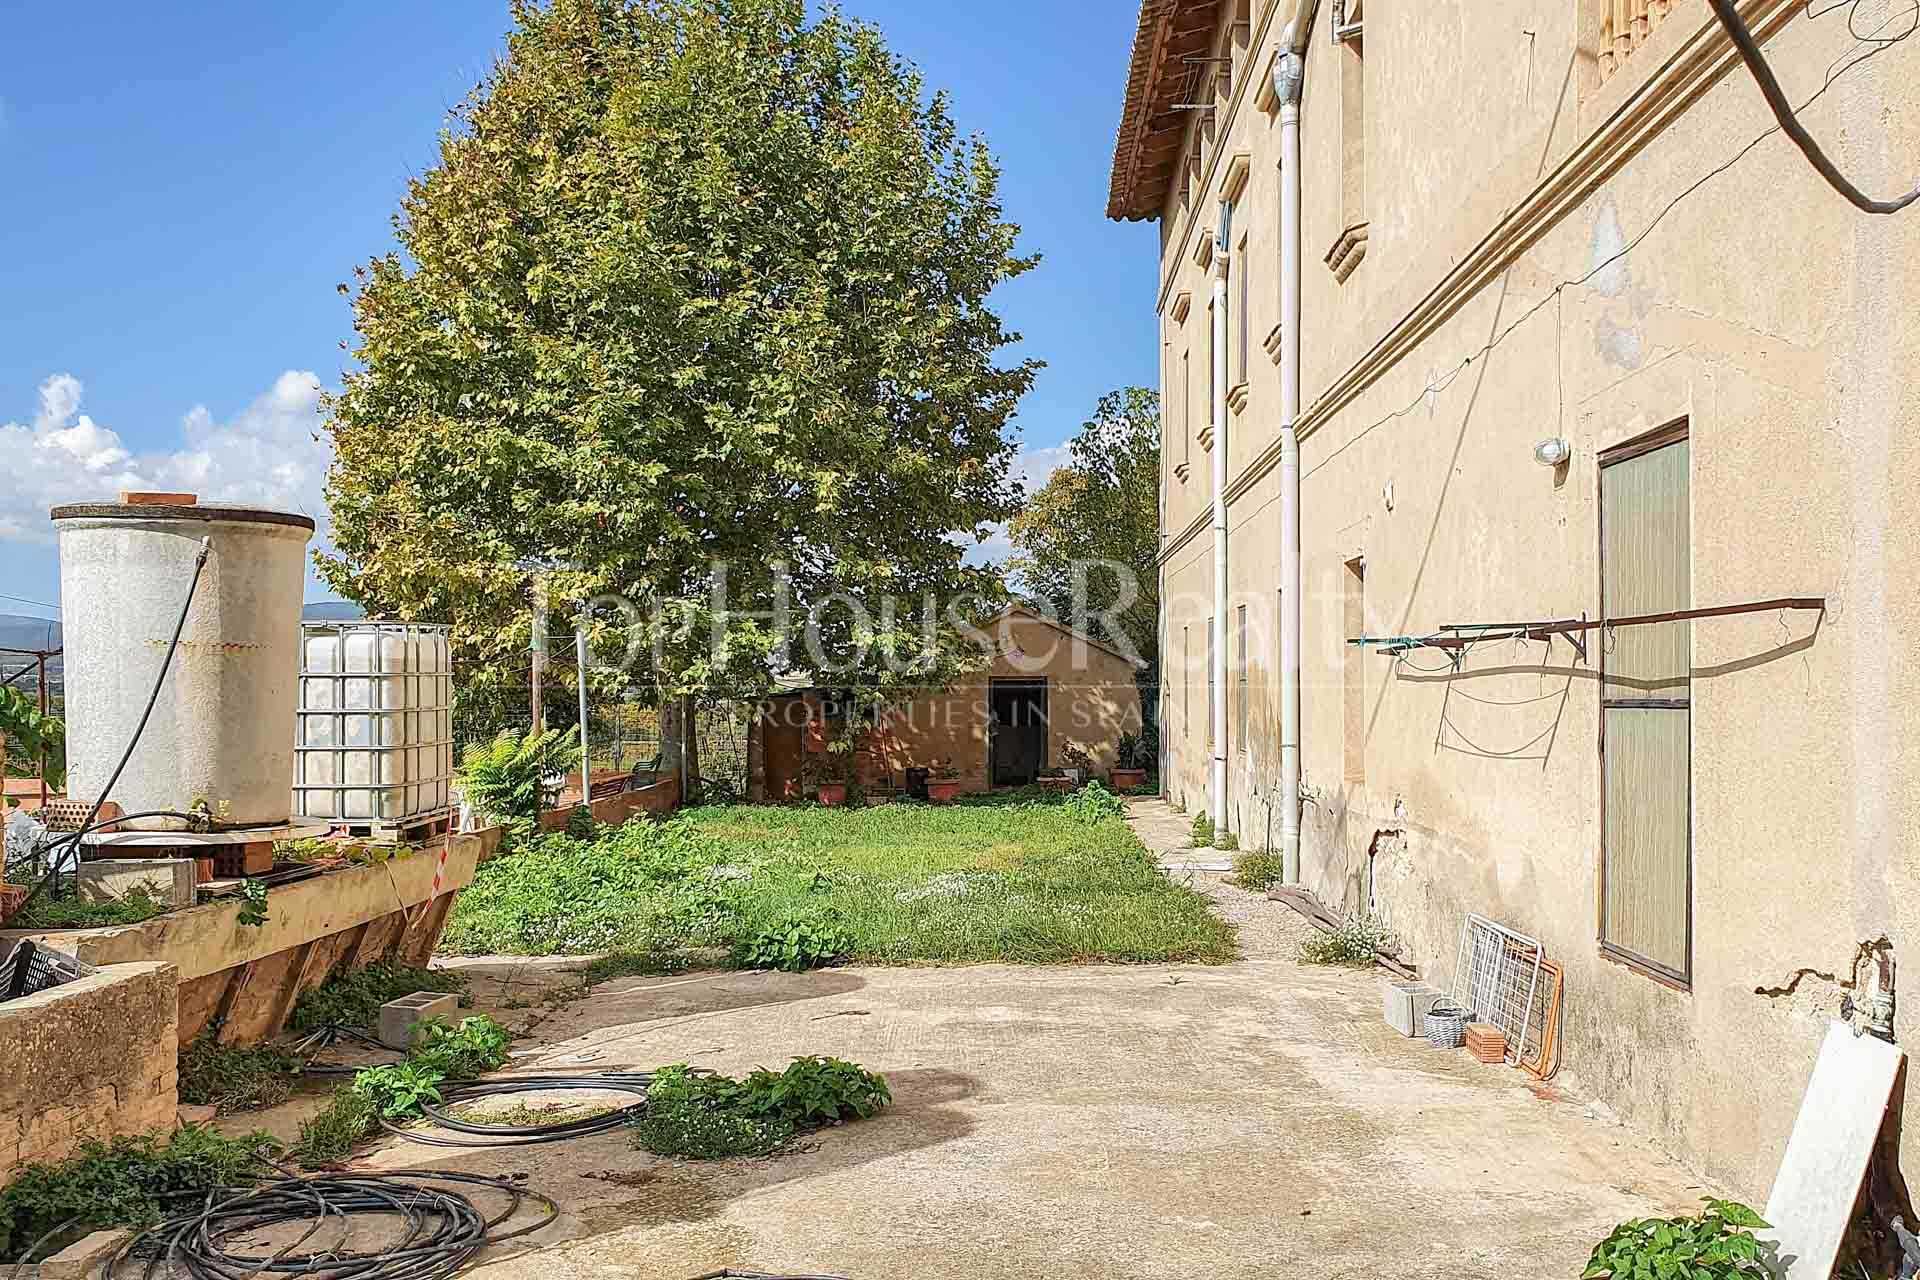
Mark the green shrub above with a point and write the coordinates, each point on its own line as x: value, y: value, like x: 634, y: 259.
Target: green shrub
x: 580, y: 823
x: 814, y: 1092
x: 353, y: 999
x: 1094, y: 803
x: 1717, y: 1245
x: 1260, y: 869
x: 477, y: 1045
x: 504, y: 778
x: 1353, y: 943
x: 1202, y: 830
x: 235, y: 1077
x: 398, y: 1089
x: 1226, y: 840
x: 129, y: 1182
x: 330, y: 1136
x: 697, y: 1116
x: 796, y: 942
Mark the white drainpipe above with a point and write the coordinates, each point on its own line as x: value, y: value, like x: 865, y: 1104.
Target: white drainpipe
x: 1217, y: 780
x: 1288, y: 75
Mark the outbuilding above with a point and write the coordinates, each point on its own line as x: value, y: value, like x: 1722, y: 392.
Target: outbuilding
x: 1050, y: 698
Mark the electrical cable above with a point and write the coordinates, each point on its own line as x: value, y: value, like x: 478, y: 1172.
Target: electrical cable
x: 1790, y: 123
x: 441, y: 1230
x: 486, y: 1135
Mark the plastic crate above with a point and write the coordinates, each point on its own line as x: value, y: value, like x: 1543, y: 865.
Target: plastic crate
x: 33, y: 968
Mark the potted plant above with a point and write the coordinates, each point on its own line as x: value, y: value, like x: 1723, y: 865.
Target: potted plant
x: 1075, y: 763
x: 943, y: 782
x: 1130, y: 763
x: 831, y: 772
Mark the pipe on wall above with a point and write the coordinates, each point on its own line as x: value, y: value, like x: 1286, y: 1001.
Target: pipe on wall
x: 1289, y: 82
x: 1217, y: 676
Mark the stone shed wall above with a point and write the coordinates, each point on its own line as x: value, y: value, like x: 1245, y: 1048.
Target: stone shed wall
x: 93, y: 1059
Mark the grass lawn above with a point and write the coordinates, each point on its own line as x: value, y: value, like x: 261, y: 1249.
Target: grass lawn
x: 1029, y: 881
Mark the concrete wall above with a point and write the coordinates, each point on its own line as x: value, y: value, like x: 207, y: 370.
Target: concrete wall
x: 1761, y: 308
x: 92, y: 1059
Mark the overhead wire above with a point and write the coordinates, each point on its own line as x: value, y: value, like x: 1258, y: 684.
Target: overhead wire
x: 1880, y: 44
x: 1789, y: 121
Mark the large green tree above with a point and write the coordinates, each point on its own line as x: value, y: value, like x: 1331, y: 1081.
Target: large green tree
x: 695, y: 282
x: 1090, y: 537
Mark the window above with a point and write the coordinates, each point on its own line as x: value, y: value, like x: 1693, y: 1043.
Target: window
x: 1186, y: 679
x: 1208, y: 424
x: 1351, y: 246
x: 1646, y: 716
x: 1240, y: 678
x: 1347, y: 17
x: 1211, y: 693
x: 1353, y: 671
x: 1186, y: 407
x: 1240, y: 309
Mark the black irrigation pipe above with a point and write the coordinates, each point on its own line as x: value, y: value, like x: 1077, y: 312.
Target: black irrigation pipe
x: 470, y: 1134
x: 759, y: 1275
x: 441, y: 1229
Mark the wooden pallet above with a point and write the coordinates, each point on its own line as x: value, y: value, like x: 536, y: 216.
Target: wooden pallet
x: 419, y: 829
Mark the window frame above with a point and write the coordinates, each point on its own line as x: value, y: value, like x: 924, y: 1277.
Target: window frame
x: 1675, y: 432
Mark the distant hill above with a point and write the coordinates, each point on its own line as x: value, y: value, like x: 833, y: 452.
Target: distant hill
x: 332, y: 611
x: 18, y: 631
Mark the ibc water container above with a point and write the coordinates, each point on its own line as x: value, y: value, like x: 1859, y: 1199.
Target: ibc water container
x: 375, y: 742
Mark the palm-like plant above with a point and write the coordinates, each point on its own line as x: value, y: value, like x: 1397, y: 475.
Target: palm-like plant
x: 507, y: 778
x: 38, y: 735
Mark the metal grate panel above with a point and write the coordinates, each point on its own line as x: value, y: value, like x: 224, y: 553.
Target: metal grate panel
x: 1496, y: 976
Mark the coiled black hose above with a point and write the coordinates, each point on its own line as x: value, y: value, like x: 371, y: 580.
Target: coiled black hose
x: 440, y: 1229
x: 470, y: 1134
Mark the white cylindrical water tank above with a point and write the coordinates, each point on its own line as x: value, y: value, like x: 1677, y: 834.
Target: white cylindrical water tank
x: 222, y: 729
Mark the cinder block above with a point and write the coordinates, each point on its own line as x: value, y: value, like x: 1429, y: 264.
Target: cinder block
x: 1406, y: 1005
x: 399, y: 1017
x: 168, y: 879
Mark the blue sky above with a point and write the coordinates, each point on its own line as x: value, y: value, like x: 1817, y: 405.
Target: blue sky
x: 187, y: 185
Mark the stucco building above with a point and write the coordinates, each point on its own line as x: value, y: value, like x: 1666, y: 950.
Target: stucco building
x: 1517, y: 224
x: 1046, y: 693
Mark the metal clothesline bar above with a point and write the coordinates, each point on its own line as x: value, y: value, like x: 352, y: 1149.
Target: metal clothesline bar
x: 1570, y: 627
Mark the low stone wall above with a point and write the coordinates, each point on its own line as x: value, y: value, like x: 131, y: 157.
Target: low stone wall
x: 95, y: 1058
x: 658, y: 799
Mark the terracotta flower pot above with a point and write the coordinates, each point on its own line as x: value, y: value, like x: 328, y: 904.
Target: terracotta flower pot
x: 833, y: 794
x: 1057, y: 784
x: 1127, y: 779
x: 942, y: 790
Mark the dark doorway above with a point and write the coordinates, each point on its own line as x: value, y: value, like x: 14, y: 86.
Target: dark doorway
x: 782, y: 735
x: 1018, y: 725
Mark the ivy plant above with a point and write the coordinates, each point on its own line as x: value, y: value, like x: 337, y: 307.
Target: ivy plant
x: 1717, y: 1245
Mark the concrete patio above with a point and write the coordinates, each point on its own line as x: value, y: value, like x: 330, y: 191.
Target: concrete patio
x: 1251, y: 1119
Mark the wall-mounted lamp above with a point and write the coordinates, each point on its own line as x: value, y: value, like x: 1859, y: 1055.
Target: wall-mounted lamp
x: 1552, y: 453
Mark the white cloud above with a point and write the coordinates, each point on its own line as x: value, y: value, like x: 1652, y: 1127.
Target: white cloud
x: 1033, y: 467
x: 266, y: 455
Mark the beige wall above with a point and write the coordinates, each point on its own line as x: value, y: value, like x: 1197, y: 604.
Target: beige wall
x: 94, y: 1059
x: 1761, y: 308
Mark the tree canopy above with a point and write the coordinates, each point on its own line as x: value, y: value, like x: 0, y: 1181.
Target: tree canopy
x: 1094, y: 528
x: 694, y: 283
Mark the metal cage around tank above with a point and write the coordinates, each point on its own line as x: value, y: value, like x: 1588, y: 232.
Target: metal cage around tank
x: 375, y: 740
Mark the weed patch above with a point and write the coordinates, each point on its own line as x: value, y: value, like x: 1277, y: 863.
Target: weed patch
x: 1352, y: 944
x: 1258, y: 870
x: 331, y: 1135
x: 129, y: 1182
x: 235, y: 1077
x: 354, y: 999
x: 695, y: 1116
x: 136, y: 905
